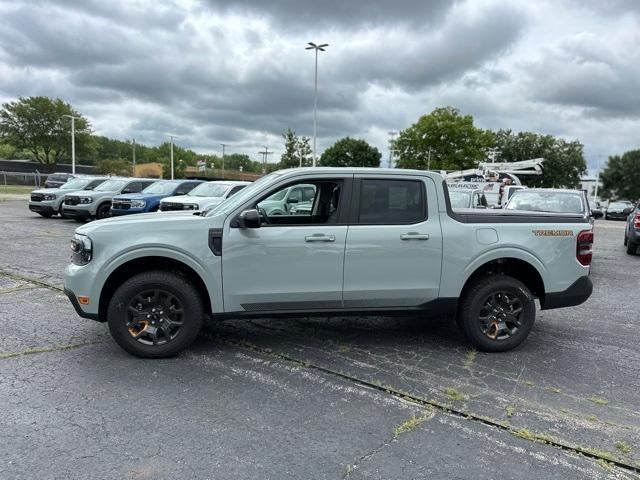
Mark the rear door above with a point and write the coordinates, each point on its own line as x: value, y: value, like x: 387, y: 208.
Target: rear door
x: 394, y: 244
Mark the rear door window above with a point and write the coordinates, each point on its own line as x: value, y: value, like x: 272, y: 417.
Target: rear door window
x: 392, y: 202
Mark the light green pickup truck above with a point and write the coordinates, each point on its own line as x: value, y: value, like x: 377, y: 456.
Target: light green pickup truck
x: 376, y: 241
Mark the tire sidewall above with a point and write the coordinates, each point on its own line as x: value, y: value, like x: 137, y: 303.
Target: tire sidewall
x: 172, y: 283
x: 100, y: 209
x: 473, y: 302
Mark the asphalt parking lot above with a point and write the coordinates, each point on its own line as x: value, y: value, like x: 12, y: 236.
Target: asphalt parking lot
x: 369, y: 397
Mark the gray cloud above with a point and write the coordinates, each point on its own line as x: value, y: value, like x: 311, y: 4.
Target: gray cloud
x: 237, y: 72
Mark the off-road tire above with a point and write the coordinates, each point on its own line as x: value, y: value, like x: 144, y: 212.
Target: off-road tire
x: 177, y: 286
x: 472, y: 301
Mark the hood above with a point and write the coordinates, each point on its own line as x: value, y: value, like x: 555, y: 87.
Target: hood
x: 51, y: 190
x: 146, y: 222
x: 202, y: 202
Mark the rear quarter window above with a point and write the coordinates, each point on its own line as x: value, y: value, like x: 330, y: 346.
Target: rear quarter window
x: 389, y: 202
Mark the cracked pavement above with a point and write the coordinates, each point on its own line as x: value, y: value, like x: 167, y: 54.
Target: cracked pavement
x: 313, y: 397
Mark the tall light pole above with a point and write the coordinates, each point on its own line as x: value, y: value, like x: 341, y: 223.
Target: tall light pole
x: 264, y: 161
x: 73, y: 142
x: 313, y: 46
x: 392, y: 138
x: 171, y: 137
x: 223, y: 146
x: 133, y: 145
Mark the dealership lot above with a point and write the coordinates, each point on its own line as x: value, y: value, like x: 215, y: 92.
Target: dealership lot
x: 370, y: 397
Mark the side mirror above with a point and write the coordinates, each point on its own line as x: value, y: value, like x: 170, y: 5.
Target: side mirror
x: 292, y: 200
x: 247, y: 219
x: 180, y: 193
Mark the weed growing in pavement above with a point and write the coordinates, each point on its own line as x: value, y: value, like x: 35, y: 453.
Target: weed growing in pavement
x: 511, y: 409
x: 454, y: 394
x: 623, y: 446
x: 470, y: 358
x: 599, y: 400
x: 410, y: 424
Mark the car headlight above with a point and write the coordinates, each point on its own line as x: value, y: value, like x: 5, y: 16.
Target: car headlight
x: 138, y: 203
x: 81, y: 249
x: 49, y: 196
x: 86, y: 200
x: 190, y: 206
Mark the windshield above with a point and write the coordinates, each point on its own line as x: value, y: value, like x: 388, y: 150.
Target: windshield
x: 76, y: 184
x: 459, y: 199
x: 555, y: 202
x: 161, y: 188
x: 246, y: 193
x: 620, y: 205
x: 209, y: 190
x: 58, y: 178
x: 110, y: 186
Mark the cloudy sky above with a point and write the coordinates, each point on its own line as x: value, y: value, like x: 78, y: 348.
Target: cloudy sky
x: 237, y: 72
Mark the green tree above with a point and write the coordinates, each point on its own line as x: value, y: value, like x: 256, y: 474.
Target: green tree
x: 118, y: 166
x: 564, y: 162
x: 38, y: 124
x: 621, y: 177
x: 350, y: 152
x: 442, y: 140
x: 297, y: 151
x: 178, y: 167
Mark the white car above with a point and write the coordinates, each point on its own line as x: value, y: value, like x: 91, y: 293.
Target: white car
x: 48, y: 201
x: 204, y: 196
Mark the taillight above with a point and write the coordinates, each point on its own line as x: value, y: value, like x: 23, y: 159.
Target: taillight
x: 584, y: 243
x: 636, y: 221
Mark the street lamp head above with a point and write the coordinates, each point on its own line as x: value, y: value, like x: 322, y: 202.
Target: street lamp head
x: 313, y: 46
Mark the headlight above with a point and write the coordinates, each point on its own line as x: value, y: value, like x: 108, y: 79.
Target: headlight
x: 190, y: 206
x: 86, y: 200
x: 138, y: 203
x: 81, y: 249
x: 49, y: 196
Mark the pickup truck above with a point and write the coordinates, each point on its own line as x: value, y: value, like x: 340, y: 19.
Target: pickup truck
x: 376, y: 241
x: 148, y: 200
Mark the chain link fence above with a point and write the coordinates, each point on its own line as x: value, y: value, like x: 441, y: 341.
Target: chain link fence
x: 19, y: 178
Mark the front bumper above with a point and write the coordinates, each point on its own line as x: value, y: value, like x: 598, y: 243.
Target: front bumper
x: 77, y: 307
x: 577, y: 293
x: 80, y: 213
x: 118, y: 212
x: 616, y: 215
x: 40, y: 208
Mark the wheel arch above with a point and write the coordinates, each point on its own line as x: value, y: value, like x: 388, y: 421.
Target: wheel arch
x: 148, y: 263
x: 512, y: 266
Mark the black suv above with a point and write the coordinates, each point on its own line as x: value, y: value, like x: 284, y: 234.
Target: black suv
x: 56, y: 180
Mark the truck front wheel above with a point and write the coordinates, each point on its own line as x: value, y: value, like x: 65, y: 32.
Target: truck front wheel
x: 496, y: 313
x: 155, y: 314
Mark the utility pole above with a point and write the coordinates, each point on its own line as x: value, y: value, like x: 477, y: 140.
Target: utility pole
x: 313, y: 46
x: 595, y: 192
x: 392, y: 137
x: 134, y: 157
x: 264, y: 161
x: 429, y: 159
x: 171, y: 137
x: 223, y: 146
x: 73, y: 143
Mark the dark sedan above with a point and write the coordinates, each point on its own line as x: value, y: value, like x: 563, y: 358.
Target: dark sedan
x: 618, y: 210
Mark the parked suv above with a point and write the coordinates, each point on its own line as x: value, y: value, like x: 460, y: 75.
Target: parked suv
x: 375, y: 241
x: 632, y: 231
x: 204, y: 197
x: 48, y: 201
x: 56, y: 180
x: 97, y: 204
x: 149, y: 199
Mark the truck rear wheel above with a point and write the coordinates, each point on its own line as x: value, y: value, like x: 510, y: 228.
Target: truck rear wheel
x: 497, y: 313
x: 155, y: 314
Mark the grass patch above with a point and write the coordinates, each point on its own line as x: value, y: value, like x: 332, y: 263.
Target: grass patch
x: 410, y: 424
x: 454, y: 394
x: 624, y: 447
x: 605, y: 465
x: 592, y: 418
x: 599, y: 400
x: 470, y: 358
x: 17, y: 189
x: 554, y: 389
x: 510, y: 409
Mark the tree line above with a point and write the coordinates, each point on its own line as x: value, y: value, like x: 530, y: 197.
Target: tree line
x: 445, y: 139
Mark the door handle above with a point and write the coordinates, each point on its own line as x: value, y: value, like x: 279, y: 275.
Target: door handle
x: 320, y: 238
x: 414, y: 236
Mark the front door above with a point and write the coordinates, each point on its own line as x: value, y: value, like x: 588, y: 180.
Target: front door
x: 394, y: 245
x: 294, y: 261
